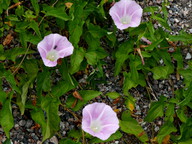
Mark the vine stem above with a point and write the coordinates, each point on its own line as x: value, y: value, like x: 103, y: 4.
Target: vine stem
x: 83, y: 136
x: 75, y: 116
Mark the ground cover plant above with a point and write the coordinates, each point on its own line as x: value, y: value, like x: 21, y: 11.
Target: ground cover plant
x: 47, y: 47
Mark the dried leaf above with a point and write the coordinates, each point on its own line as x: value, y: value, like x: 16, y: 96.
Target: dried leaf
x: 68, y: 4
x: 74, y: 103
x: 12, y: 6
x: 142, y: 133
x: 8, y: 23
x: 116, y: 100
x: 59, y: 61
x: 34, y: 100
x: 154, y: 140
x: 36, y: 126
x: 116, y: 110
x: 131, y: 107
x: 166, y: 139
x: 77, y: 95
x: 8, y: 39
x: 16, y: 4
x: 139, y: 52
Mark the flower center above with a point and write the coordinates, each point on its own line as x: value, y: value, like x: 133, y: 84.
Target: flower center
x: 95, y: 126
x: 52, y: 55
x: 125, y: 19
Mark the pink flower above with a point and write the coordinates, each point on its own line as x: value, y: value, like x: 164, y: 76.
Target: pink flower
x: 53, y: 47
x: 126, y: 13
x: 99, y: 120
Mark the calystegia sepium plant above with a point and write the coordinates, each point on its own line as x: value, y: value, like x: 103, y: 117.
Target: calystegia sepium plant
x: 93, y: 71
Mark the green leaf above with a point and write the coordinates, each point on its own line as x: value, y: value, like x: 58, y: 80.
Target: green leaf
x: 2, y: 55
x: 170, y: 112
x: 57, y: 12
x: 34, y: 25
x: 8, y: 141
x: 4, y: 4
x: 189, y: 141
x: 61, y: 88
x: 133, y: 69
x: 154, y: 44
x: 165, y: 130
x: 185, y: 130
x: 182, y: 36
x: 13, y: 53
x: 113, y: 95
x: 87, y: 95
x: 75, y: 33
x: 68, y: 141
x: 43, y: 82
x: 76, y: 60
x: 76, y: 25
x: 181, y: 115
x: 129, y: 83
x: 187, y: 95
x: 151, y: 30
x: 30, y: 66
x: 24, y: 97
x: 162, y: 72
x: 122, y: 55
x: 162, y: 21
x: 96, y: 31
x: 151, y: 9
x: 10, y: 78
x: 3, y: 96
x: 187, y: 74
x: 39, y: 117
x: 22, y: 37
x: 179, y: 58
x: 50, y: 106
x: 156, y: 110
x: 35, y: 6
x: 64, y: 70
x: 164, y: 9
x: 6, y: 118
x: 75, y: 134
x: 137, y: 30
x: 131, y: 126
x: 91, y: 57
x: 114, y: 136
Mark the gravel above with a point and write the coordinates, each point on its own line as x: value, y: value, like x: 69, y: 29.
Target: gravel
x: 180, y: 18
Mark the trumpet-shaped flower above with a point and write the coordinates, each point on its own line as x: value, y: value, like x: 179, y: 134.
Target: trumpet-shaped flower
x: 53, y: 47
x: 99, y: 120
x: 126, y: 13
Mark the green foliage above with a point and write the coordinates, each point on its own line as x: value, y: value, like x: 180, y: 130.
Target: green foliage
x: 131, y: 126
x: 165, y: 130
x: 87, y: 25
x: 87, y: 95
x: 156, y: 110
x: 113, y: 95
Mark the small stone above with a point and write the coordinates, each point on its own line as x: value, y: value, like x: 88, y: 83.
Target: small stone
x: 29, y: 123
x: 22, y: 122
x: 54, y: 140
x: 176, y: 20
x: 188, y: 56
x: 16, y: 126
x: 156, y: 129
x: 161, y: 61
x: 38, y: 142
